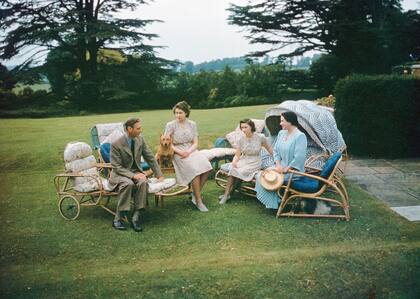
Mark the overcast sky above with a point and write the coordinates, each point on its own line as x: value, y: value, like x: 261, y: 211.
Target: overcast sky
x: 197, y: 30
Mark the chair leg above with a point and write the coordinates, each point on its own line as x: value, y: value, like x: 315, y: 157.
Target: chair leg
x: 161, y: 201
x: 283, y: 203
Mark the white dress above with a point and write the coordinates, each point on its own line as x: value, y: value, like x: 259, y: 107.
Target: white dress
x: 250, y: 161
x: 182, y: 137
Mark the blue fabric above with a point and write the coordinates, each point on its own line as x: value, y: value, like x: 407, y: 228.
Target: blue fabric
x: 144, y: 166
x: 269, y: 199
x: 291, y: 152
x: 221, y: 142
x: 329, y: 165
x: 309, y: 185
x: 305, y: 184
x: 105, y: 148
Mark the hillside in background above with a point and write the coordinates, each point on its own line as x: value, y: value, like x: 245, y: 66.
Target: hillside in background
x: 239, y: 63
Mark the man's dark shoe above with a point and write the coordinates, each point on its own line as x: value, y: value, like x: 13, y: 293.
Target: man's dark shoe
x: 118, y: 224
x: 136, y: 225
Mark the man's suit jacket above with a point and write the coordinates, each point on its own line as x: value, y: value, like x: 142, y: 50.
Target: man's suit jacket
x: 122, y: 159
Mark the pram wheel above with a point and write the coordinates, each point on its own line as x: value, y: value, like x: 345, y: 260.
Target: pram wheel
x: 69, y: 207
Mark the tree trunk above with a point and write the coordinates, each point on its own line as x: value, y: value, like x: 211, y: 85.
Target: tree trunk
x: 88, y: 53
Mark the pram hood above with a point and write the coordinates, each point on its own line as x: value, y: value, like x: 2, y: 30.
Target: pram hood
x: 317, y: 121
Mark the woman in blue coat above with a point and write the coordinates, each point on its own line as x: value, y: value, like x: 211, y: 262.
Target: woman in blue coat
x: 289, y: 153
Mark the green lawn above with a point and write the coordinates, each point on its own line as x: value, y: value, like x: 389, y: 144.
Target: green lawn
x: 238, y: 250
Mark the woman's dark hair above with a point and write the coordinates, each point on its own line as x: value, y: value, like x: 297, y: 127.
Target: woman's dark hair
x: 248, y: 122
x: 184, y: 106
x: 291, y: 117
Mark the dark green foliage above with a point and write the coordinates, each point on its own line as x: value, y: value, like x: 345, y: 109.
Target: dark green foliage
x: 123, y: 82
x: 256, y: 84
x: 80, y: 30
x: 326, y: 71
x: 143, y: 82
x: 7, y: 80
x: 365, y: 36
x: 379, y: 115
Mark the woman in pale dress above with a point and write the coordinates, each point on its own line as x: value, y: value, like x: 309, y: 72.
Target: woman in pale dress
x: 289, y: 153
x: 190, y: 165
x: 247, y: 160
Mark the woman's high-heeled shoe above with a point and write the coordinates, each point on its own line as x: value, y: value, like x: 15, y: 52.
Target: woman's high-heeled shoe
x: 223, y: 199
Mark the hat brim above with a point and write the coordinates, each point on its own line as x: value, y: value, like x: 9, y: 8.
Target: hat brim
x: 270, y: 186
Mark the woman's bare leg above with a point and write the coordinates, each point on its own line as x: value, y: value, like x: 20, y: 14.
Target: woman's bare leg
x: 229, y: 185
x: 196, y: 185
x: 203, y: 179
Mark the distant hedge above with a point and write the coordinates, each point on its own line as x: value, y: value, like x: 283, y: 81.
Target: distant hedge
x: 379, y: 116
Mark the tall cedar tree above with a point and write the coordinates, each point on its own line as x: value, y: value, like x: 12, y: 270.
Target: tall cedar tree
x: 80, y: 27
x: 366, y: 35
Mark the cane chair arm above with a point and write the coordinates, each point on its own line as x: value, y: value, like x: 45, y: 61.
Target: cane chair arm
x: 182, y: 190
x: 58, y: 180
x: 104, y: 165
x: 316, y: 177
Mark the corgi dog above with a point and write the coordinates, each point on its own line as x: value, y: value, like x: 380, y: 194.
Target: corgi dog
x: 165, y: 152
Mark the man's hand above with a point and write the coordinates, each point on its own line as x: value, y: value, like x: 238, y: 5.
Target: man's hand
x: 139, y: 176
x: 234, y: 164
x: 161, y: 178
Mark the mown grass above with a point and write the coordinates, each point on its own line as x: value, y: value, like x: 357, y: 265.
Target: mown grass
x: 239, y: 250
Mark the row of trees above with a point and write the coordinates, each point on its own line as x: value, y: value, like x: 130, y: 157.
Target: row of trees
x: 134, y: 82
x: 255, y: 84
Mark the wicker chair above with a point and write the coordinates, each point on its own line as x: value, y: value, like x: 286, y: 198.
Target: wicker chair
x: 326, y: 186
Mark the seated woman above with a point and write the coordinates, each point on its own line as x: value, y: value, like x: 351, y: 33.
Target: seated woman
x: 247, y: 160
x: 190, y: 165
x: 289, y: 153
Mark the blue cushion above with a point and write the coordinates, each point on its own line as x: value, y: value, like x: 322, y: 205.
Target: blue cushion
x: 144, y: 166
x: 305, y: 184
x: 309, y: 185
x: 105, y: 148
x: 221, y: 142
x: 329, y: 165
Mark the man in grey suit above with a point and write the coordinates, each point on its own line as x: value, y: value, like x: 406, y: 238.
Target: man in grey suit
x: 127, y: 174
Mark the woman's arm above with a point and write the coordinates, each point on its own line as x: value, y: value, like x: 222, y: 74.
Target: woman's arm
x: 299, y: 156
x: 194, y: 145
x: 267, y: 147
x: 236, y: 157
x: 276, y: 155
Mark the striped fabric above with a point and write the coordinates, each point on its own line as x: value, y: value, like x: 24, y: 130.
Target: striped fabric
x: 317, y: 122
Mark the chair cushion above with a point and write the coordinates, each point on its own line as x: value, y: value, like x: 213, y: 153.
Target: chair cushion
x: 305, y: 184
x: 113, y: 136
x: 105, y: 148
x: 76, y: 150
x: 105, y: 130
x: 329, y: 165
x: 221, y: 142
x: 144, y: 166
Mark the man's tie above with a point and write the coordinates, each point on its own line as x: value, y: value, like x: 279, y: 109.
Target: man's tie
x: 132, y: 147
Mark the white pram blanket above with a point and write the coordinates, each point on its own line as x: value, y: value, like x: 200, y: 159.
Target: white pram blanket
x: 155, y: 186
x: 217, y: 152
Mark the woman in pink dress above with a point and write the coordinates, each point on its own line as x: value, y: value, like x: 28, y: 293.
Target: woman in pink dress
x: 190, y: 165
